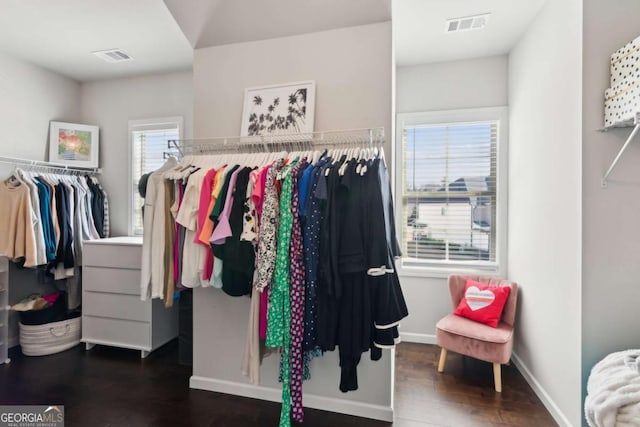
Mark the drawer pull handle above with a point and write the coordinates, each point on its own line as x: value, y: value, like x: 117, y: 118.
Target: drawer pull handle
x: 66, y: 331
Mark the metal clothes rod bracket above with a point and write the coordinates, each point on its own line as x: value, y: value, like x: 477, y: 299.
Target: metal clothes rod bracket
x: 622, y: 150
x: 173, y: 143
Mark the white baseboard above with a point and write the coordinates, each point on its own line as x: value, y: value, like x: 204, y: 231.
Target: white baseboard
x: 341, y: 406
x: 548, y: 403
x: 418, y: 338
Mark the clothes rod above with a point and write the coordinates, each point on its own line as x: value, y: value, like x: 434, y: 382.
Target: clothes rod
x: 347, y: 135
x: 42, y: 164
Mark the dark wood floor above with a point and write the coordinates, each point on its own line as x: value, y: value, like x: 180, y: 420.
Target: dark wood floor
x: 113, y: 387
x: 463, y: 395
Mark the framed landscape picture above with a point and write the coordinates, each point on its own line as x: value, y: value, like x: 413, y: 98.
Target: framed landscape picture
x: 73, y: 144
x: 278, y: 109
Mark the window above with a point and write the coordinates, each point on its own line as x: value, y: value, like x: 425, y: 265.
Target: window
x: 150, y: 148
x: 450, y: 189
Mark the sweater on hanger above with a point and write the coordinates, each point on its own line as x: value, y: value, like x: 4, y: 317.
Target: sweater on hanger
x: 17, y: 239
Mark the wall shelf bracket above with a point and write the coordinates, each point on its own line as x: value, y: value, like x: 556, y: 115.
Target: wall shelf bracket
x: 636, y: 127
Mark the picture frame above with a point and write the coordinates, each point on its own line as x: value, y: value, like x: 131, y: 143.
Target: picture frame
x: 74, y: 144
x: 279, y: 109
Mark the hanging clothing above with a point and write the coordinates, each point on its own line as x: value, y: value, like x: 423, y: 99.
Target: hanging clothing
x: 17, y: 240
x: 296, y: 296
x: 239, y: 256
x: 221, y: 228
x: 279, y: 315
x: 328, y: 296
x: 49, y: 234
x: 314, y: 245
x: 269, y: 229
x: 153, y: 242
x: 250, y: 215
x: 168, y: 281
x: 190, y: 216
x: 41, y: 256
x: 208, y: 197
x: 44, y: 220
x: 311, y: 219
x: 64, y: 255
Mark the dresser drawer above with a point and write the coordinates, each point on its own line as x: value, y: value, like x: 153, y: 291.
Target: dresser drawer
x: 105, y: 279
x: 116, y: 332
x: 117, y: 306
x: 112, y: 255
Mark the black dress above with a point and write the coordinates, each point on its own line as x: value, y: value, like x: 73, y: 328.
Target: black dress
x: 239, y: 255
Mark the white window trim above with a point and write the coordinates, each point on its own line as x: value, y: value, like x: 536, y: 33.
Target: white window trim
x: 438, y: 269
x: 137, y: 125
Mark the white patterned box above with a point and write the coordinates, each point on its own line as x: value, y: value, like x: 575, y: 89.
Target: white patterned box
x: 621, y: 104
x: 625, y: 64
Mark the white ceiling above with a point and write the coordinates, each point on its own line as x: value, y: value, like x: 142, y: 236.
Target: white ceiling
x: 217, y: 22
x: 418, y: 27
x: 60, y: 35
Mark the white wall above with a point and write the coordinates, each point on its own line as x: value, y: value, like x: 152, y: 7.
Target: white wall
x: 611, y: 230
x: 352, y: 68
x: 30, y: 97
x: 471, y: 83
x: 545, y: 70
x: 346, y: 64
x: 453, y: 85
x: 110, y: 104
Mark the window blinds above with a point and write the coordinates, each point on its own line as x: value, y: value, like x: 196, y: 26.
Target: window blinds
x: 449, y: 192
x: 150, y: 150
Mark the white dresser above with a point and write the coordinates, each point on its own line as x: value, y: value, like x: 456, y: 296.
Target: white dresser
x: 112, y: 311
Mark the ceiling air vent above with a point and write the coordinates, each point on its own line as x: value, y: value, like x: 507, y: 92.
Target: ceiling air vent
x: 467, y: 23
x: 113, y: 55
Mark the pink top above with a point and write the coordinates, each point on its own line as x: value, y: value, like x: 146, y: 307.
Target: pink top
x: 223, y: 228
x: 205, y: 198
x: 258, y: 189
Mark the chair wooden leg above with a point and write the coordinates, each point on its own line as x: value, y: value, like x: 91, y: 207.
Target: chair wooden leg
x: 497, y: 377
x: 443, y: 359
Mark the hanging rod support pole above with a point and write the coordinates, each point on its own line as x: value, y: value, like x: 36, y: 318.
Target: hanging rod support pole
x: 622, y: 150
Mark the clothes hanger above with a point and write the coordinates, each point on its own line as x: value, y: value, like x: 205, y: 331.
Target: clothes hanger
x: 14, y: 180
x: 343, y: 167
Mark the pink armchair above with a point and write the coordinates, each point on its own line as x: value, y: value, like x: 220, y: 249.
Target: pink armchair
x: 464, y: 336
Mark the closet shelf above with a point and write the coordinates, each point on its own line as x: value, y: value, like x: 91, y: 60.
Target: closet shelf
x: 41, y: 164
x: 636, y: 127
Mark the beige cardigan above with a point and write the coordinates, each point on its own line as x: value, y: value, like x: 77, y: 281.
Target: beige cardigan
x: 17, y: 221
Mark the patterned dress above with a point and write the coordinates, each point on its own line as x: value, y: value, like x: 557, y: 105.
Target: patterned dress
x: 269, y: 229
x: 279, y: 312
x: 311, y: 236
x: 297, y: 301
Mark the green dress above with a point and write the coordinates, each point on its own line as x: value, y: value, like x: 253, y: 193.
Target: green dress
x: 279, y: 313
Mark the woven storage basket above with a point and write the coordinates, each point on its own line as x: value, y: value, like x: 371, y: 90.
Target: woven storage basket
x: 50, y: 338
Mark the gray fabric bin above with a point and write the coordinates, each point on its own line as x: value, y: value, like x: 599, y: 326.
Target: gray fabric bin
x: 50, y: 338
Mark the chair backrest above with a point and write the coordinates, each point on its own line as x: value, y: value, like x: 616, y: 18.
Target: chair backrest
x: 458, y: 282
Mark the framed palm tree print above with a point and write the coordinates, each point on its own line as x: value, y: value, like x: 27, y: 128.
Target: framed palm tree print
x: 278, y: 109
